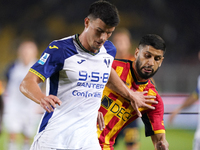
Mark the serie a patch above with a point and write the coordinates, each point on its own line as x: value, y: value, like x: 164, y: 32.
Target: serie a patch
x: 43, y: 59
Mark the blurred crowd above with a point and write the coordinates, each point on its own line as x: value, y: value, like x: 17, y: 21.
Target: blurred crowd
x: 43, y: 21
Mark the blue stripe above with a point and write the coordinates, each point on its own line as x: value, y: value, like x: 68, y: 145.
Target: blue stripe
x: 53, y: 91
x: 65, y: 50
x: 45, y: 120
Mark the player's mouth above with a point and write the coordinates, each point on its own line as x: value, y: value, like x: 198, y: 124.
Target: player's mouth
x: 147, y: 69
x: 99, y: 43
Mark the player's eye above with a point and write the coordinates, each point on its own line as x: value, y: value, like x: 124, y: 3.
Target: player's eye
x: 157, y: 58
x: 147, y: 55
x: 99, y: 30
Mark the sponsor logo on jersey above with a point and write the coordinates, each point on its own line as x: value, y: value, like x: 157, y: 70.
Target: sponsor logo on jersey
x: 107, y: 62
x: 106, y: 102
x: 93, y: 76
x: 52, y: 47
x: 79, y: 62
x: 115, y: 108
x: 91, y: 85
x: 86, y: 94
x: 43, y: 59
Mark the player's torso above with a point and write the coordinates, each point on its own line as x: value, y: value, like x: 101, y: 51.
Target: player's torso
x: 83, y: 78
x: 80, y: 84
x: 117, y: 111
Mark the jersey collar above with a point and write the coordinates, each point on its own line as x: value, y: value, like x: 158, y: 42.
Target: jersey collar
x: 82, y: 47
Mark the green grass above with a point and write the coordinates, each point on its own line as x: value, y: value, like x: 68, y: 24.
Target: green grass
x: 4, y: 140
x: 178, y: 139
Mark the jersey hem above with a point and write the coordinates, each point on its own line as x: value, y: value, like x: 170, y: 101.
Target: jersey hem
x: 38, y: 74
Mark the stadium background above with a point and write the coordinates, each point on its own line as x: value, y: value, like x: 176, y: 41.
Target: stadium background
x: 176, y: 21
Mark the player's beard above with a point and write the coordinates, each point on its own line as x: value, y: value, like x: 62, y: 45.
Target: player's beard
x: 141, y: 74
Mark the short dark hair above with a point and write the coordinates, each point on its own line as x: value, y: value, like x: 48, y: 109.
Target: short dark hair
x: 153, y: 40
x: 105, y: 11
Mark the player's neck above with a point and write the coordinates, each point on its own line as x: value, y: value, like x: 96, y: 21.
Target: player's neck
x: 85, y: 44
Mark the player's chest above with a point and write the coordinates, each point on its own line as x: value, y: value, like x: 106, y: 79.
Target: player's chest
x: 88, y: 69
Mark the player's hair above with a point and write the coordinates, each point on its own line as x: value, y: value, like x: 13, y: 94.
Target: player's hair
x: 105, y: 11
x: 153, y: 40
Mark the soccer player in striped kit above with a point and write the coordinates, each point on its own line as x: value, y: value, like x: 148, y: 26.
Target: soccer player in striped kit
x: 117, y: 111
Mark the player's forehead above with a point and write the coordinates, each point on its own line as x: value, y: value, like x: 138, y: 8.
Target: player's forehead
x: 151, y: 50
x: 99, y: 24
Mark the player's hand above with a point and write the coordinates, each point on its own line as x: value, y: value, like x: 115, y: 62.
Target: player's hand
x: 100, y: 120
x: 139, y: 100
x: 49, y: 103
x: 161, y: 146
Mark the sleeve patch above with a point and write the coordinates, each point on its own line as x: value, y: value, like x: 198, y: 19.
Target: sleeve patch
x: 43, y: 59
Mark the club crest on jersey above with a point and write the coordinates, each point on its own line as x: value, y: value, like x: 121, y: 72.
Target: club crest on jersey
x: 107, y: 62
x: 43, y: 59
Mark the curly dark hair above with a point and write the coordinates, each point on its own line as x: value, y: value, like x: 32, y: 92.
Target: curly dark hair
x: 153, y: 40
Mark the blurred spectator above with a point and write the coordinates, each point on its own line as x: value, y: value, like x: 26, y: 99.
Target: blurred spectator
x: 194, y: 97
x: 20, y: 113
x: 121, y: 38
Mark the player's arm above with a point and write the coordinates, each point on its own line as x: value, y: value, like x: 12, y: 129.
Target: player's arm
x: 138, y: 99
x: 30, y: 88
x: 159, y: 141
x: 187, y: 103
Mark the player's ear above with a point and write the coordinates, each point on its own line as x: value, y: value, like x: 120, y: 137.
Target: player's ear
x: 136, y: 52
x: 86, y: 22
x: 161, y: 62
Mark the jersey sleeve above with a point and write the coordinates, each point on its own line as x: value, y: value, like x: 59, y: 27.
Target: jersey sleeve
x: 153, y: 119
x: 50, y: 62
x: 111, y: 49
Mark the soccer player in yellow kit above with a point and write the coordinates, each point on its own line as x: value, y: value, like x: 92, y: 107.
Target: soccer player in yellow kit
x: 117, y: 111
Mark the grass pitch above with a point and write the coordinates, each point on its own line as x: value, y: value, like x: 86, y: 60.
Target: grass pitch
x: 178, y: 139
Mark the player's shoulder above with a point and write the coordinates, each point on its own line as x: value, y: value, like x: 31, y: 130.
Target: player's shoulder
x: 62, y: 43
x: 110, y: 48
x: 122, y: 64
x: 123, y: 61
x: 63, y: 47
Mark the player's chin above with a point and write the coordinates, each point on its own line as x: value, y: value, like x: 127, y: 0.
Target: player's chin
x: 146, y: 75
x: 97, y: 47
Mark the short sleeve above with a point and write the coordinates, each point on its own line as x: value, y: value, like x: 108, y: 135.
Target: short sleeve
x: 50, y: 62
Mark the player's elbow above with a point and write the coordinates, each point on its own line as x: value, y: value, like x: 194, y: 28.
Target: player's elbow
x: 22, y: 87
